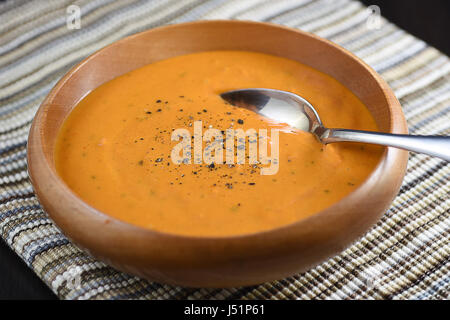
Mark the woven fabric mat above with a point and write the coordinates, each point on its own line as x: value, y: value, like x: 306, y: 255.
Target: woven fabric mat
x: 404, y: 256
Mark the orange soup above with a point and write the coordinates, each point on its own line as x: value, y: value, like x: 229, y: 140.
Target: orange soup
x: 116, y: 148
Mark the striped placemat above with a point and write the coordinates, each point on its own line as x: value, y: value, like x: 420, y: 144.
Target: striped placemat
x: 404, y: 256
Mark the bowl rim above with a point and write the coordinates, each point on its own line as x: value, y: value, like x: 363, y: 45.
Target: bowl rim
x: 397, y: 125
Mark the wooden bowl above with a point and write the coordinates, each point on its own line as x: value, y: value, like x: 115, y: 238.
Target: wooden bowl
x: 216, y: 261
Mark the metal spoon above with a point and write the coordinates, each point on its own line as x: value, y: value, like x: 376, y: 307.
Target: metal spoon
x: 287, y: 107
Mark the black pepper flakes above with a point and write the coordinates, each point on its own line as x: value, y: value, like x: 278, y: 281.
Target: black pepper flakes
x: 240, y: 121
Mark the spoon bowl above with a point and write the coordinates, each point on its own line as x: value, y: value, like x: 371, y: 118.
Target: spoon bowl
x: 280, y: 106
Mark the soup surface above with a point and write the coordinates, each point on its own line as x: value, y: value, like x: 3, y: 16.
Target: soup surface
x: 115, y: 148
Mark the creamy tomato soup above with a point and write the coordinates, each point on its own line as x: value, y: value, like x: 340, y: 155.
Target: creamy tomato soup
x: 115, y: 148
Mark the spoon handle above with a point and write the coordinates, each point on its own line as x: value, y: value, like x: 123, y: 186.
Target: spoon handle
x: 437, y: 146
